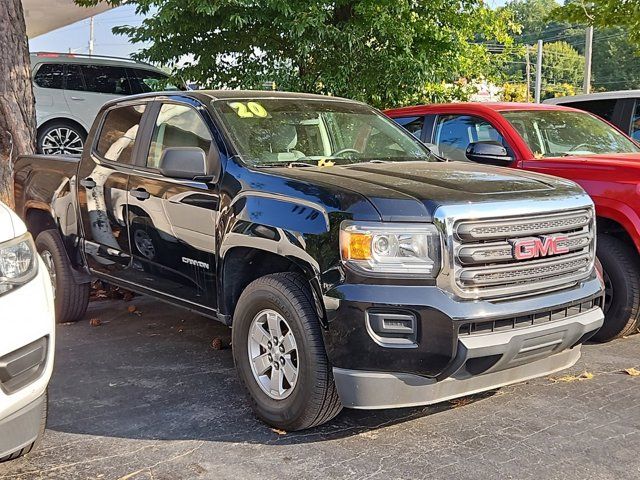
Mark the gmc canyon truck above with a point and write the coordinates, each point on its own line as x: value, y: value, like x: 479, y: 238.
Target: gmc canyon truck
x: 354, y: 267
x: 566, y: 143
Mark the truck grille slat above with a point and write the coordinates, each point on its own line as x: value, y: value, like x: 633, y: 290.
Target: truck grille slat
x: 485, y: 263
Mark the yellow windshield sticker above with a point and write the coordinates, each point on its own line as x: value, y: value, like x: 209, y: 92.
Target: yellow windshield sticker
x: 323, y: 162
x: 249, y: 109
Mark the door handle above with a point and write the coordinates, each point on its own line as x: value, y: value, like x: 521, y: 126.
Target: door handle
x: 88, y: 182
x: 139, y: 193
x: 79, y: 99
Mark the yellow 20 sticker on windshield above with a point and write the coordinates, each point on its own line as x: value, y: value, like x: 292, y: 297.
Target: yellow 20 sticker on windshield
x: 249, y: 109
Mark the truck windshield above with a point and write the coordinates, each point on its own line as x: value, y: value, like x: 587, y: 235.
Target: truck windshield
x: 298, y: 131
x: 557, y: 133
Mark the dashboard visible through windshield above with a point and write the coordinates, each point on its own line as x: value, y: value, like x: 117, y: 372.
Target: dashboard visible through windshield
x: 293, y: 131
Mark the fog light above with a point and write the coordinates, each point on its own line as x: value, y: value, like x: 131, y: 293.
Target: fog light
x: 392, y: 329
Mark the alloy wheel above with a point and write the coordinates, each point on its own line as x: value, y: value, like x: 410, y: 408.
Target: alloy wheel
x: 273, y: 354
x: 608, y: 291
x: 62, y: 141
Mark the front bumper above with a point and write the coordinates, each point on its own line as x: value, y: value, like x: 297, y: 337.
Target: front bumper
x: 515, y: 357
x: 21, y: 428
x: 27, y: 343
x: 459, y: 347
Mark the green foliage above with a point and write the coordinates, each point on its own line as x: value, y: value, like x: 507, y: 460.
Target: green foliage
x: 604, y: 13
x: 515, y: 92
x: 615, y: 60
x: 385, y: 52
x: 558, y: 90
x: 561, y: 63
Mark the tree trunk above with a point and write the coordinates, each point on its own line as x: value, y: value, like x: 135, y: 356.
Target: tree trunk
x: 17, y: 106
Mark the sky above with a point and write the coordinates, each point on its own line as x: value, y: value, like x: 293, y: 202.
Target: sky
x: 75, y: 37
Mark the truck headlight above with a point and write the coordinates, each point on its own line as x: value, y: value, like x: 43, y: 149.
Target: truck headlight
x: 391, y: 248
x: 18, y: 262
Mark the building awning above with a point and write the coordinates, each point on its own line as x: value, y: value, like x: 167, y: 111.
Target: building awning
x: 43, y: 16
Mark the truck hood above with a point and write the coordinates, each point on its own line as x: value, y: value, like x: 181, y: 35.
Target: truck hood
x: 412, y: 191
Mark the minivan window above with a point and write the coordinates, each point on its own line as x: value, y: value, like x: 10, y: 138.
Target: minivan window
x: 635, y: 122
x: 118, y: 133
x: 143, y: 81
x: 50, y: 75
x: 602, y: 108
x: 177, y: 126
x: 74, y: 78
x: 106, y: 79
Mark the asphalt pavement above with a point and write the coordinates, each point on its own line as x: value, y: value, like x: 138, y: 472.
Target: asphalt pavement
x: 144, y: 395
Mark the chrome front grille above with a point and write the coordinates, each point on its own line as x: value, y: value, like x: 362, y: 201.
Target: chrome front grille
x: 485, y: 265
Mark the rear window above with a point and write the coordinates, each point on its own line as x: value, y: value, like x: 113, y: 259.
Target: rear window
x: 50, y: 75
x: 143, y: 81
x: 602, y: 108
x: 119, y: 132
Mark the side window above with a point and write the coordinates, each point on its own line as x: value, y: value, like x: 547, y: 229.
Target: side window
x: 177, y: 126
x: 143, y: 81
x: 412, y: 124
x: 602, y: 108
x: 635, y: 122
x: 454, y: 133
x: 106, y: 79
x: 74, y: 79
x: 118, y: 133
x: 50, y: 75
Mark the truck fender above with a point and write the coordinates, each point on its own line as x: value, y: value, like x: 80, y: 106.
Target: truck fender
x: 273, y: 229
x: 622, y: 214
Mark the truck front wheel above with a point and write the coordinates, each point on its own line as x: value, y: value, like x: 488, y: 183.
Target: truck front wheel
x: 280, y: 356
x: 71, y: 299
x: 621, y: 272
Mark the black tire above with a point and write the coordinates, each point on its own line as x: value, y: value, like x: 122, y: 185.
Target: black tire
x: 621, y: 271
x: 314, y: 399
x: 36, y: 442
x: 71, y: 298
x: 60, y: 124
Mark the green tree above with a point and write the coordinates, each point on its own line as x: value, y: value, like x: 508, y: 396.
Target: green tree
x: 380, y: 51
x: 561, y: 63
x: 604, y: 13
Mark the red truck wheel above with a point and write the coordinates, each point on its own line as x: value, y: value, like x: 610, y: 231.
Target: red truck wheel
x: 621, y: 272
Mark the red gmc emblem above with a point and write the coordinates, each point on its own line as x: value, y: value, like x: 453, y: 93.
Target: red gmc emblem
x: 535, y: 247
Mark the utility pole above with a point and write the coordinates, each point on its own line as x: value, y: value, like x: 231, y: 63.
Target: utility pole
x: 91, y: 36
x: 528, y: 73
x: 588, y: 48
x: 539, y: 72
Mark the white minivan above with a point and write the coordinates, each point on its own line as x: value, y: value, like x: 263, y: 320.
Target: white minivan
x: 70, y: 88
x: 27, y: 320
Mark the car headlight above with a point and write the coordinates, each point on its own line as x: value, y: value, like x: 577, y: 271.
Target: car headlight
x: 18, y: 262
x: 394, y: 249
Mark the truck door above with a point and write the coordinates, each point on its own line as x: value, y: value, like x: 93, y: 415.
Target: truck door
x: 103, y: 179
x: 172, y: 221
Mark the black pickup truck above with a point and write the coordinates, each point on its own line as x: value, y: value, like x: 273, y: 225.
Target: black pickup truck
x: 354, y: 267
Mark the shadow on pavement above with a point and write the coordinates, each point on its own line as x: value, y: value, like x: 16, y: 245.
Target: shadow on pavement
x: 153, y: 375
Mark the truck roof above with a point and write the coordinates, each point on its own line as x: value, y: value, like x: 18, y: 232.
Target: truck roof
x: 474, y: 107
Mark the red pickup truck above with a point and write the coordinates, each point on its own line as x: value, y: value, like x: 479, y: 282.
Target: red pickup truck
x: 558, y: 141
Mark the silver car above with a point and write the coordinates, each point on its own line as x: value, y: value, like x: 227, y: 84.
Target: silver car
x: 70, y: 89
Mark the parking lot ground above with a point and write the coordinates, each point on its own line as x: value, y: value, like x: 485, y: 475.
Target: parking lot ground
x: 145, y: 396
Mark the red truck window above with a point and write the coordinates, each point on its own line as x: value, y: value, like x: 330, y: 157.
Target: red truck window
x: 454, y: 133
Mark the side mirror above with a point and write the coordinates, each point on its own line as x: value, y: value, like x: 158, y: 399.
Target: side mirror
x: 488, y: 152
x: 183, y: 162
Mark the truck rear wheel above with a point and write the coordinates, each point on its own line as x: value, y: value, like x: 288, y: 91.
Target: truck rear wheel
x: 71, y: 298
x: 621, y: 272
x: 280, y: 356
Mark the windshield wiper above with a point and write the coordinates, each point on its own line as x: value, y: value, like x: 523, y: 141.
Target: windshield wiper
x: 285, y: 164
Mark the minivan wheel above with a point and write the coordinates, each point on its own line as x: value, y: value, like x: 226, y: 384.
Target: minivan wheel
x: 71, y: 299
x: 621, y: 274
x: 280, y: 356
x: 61, y: 138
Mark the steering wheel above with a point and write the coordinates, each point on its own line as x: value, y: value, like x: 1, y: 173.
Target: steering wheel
x: 346, y: 150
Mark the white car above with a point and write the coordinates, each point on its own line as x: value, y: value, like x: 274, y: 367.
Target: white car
x: 70, y: 89
x: 27, y: 335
